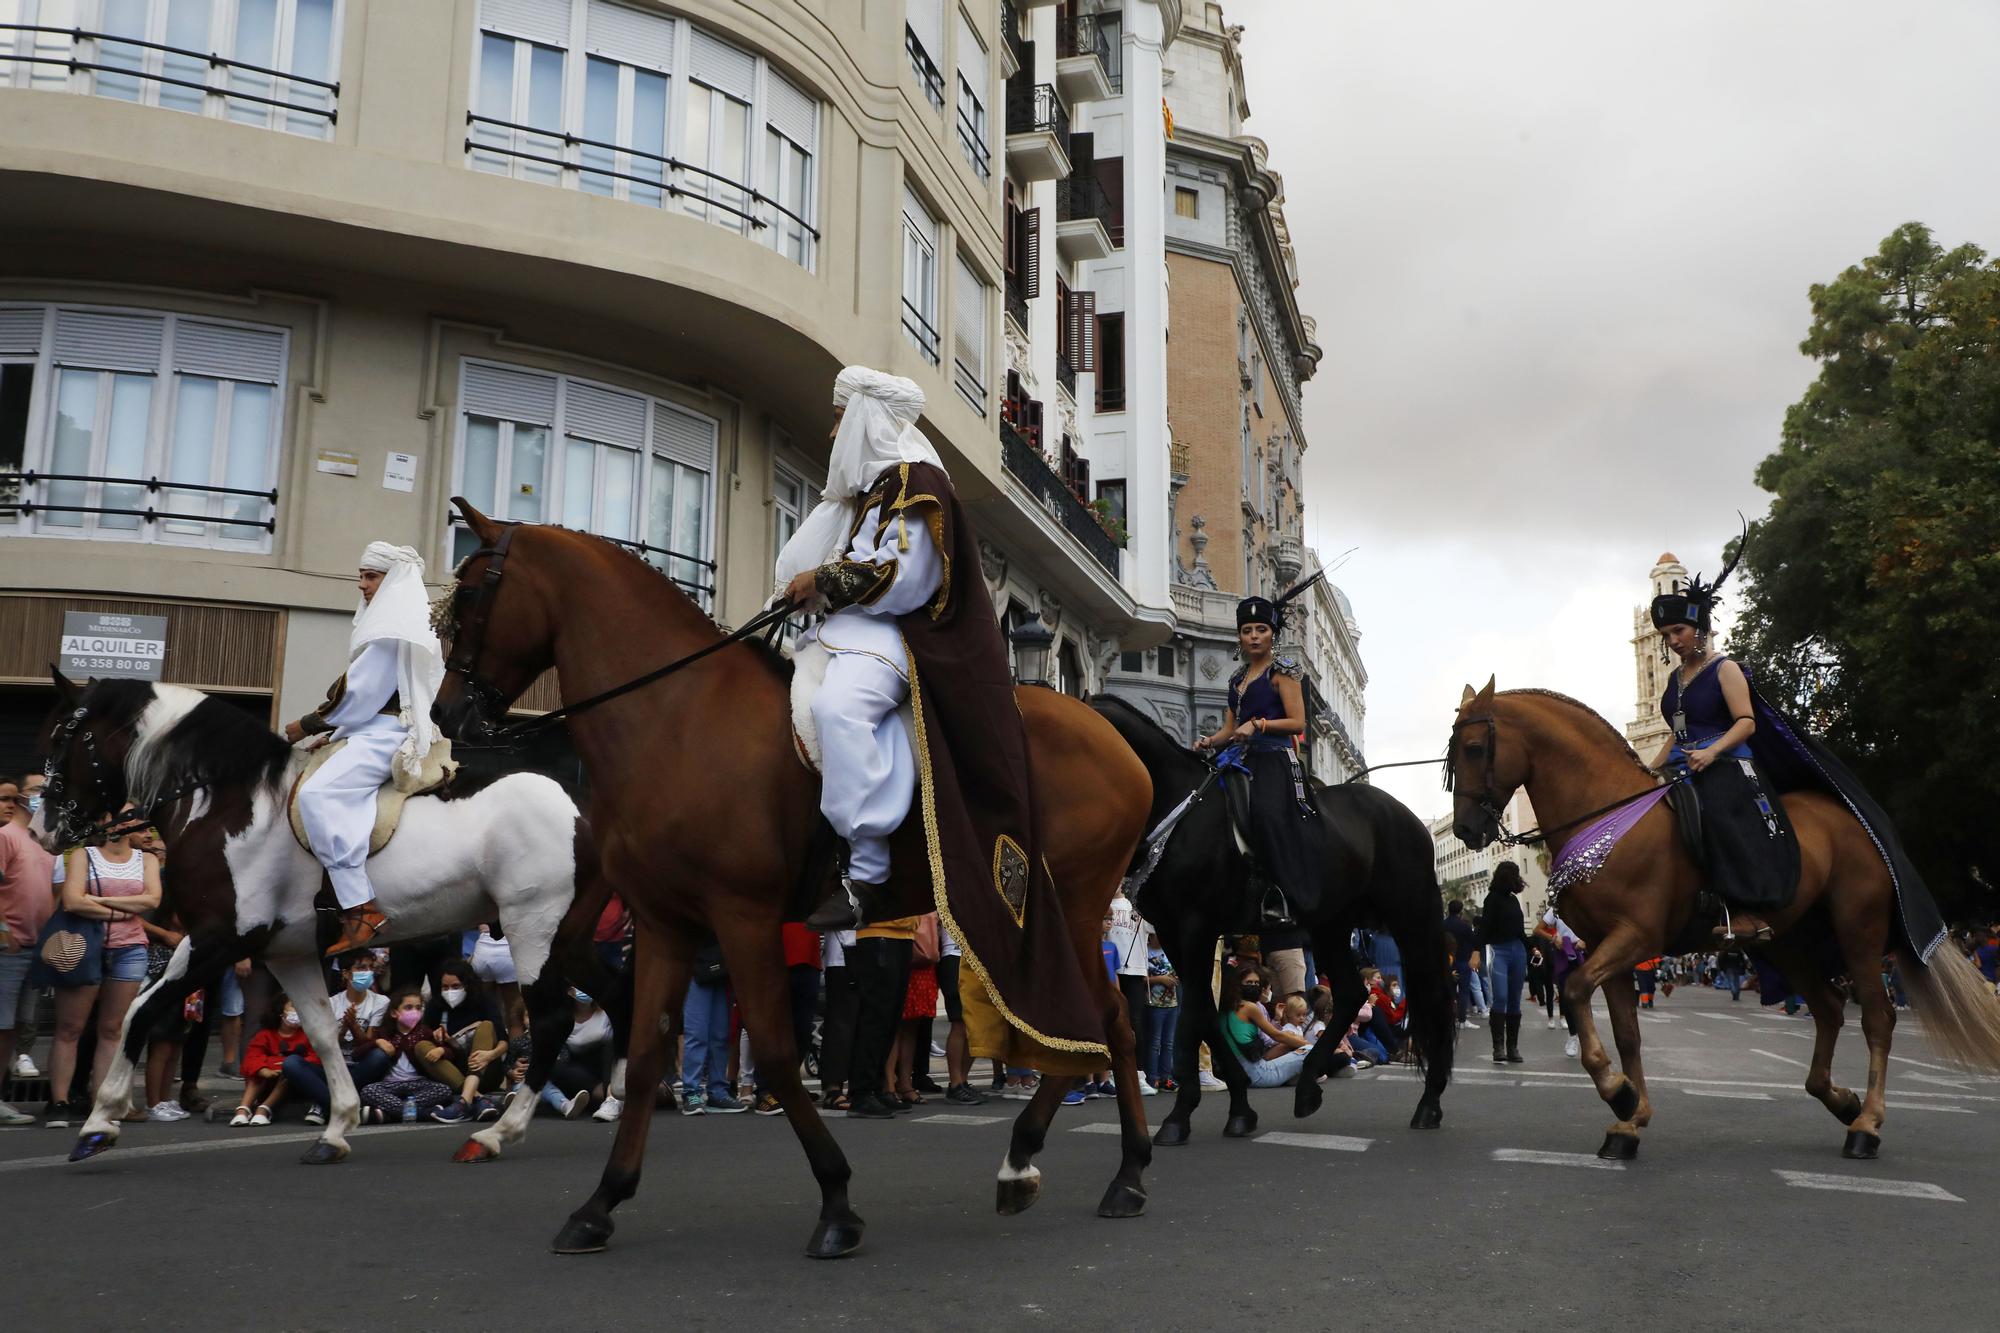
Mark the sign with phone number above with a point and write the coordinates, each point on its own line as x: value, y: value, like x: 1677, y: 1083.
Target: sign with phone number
x: 110, y: 644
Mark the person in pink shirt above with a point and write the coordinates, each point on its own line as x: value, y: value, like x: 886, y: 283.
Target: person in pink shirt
x: 27, y: 897
x: 116, y: 884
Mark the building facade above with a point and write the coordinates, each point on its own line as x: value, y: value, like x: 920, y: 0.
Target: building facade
x: 278, y: 278
x: 1648, y: 732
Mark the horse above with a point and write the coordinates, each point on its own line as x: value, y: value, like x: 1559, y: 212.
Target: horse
x: 1641, y: 902
x: 697, y: 770
x: 1380, y: 874
x: 215, y: 783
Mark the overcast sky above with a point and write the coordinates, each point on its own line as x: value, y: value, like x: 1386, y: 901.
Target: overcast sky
x: 1559, y: 255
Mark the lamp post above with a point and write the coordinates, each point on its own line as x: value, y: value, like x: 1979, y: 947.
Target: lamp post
x: 1032, y: 640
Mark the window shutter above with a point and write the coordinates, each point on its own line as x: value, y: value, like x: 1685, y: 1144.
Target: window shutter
x: 794, y: 112
x: 544, y: 21
x: 1082, y: 151
x: 514, y: 395
x: 1010, y: 237
x: 972, y: 65
x: 108, y: 342
x: 684, y: 436
x: 604, y: 415
x: 968, y: 325
x: 21, y: 331
x: 1034, y: 422
x: 1031, y: 262
x: 1083, y: 330
x: 629, y: 36
x: 926, y: 19
x: 720, y: 65
x: 229, y: 353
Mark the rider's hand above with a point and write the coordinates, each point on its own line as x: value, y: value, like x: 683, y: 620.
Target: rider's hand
x: 1203, y: 742
x: 1699, y: 760
x: 1244, y: 732
x: 802, y: 589
x: 294, y: 733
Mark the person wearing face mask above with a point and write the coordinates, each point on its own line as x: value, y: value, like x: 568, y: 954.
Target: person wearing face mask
x: 1271, y: 1056
x: 467, y: 1047
x: 359, y: 1011
x: 398, y: 1040
x: 275, y: 1047
x: 27, y: 898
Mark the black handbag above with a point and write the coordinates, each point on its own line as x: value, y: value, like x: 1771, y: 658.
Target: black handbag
x: 709, y: 969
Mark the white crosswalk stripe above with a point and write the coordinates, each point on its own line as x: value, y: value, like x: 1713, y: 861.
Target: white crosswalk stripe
x: 1731, y: 1093
x: 1329, y: 1142
x: 1919, y: 1106
x: 950, y: 1118
x: 1536, y: 1157
x: 1902, y: 1189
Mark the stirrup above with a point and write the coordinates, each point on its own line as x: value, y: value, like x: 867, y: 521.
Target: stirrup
x: 1726, y: 932
x: 841, y: 910
x: 1278, y: 916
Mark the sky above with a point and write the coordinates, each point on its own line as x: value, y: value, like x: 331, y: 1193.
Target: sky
x: 1560, y: 256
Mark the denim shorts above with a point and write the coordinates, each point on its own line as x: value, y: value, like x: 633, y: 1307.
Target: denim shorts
x: 127, y: 963
x: 13, y: 985
x: 230, y: 994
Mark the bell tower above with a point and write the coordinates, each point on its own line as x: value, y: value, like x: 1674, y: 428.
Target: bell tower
x: 1647, y: 731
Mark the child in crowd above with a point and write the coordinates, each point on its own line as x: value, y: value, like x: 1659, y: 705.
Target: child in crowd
x: 467, y: 1046
x: 1163, y: 1013
x: 405, y: 1081
x: 264, y: 1082
x: 1295, y: 1015
x: 583, y: 1070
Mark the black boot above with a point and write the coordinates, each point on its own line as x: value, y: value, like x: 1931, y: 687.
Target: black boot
x: 1514, y: 1040
x: 1498, y: 1022
x: 852, y: 904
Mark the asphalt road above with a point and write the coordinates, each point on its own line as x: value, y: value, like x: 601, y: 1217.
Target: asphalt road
x: 1738, y: 1213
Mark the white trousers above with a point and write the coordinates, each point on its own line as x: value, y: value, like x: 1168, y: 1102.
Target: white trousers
x: 337, y: 805
x: 868, y: 778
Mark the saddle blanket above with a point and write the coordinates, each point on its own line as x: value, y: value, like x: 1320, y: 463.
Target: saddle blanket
x: 809, y: 664
x: 438, y: 769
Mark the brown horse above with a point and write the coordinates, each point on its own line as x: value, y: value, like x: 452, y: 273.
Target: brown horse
x: 697, y: 771
x: 1642, y: 903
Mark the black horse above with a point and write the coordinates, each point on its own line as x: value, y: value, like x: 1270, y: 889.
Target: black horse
x: 1379, y: 875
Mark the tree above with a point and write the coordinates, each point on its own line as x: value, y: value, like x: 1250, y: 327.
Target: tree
x: 1873, y: 598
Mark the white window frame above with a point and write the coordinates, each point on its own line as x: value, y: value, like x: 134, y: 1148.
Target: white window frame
x: 969, y: 300
x: 783, y: 475
x: 171, y: 504
x: 975, y: 138
x: 920, y: 279
x: 221, y: 96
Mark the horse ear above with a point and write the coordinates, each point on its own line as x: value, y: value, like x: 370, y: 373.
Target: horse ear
x: 482, y: 527
x: 1486, y: 695
x: 65, y: 687
x: 1466, y: 697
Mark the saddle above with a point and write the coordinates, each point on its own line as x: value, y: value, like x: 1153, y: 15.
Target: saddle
x: 1685, y: 802
x: 437, y: 772
x: 809, y: 666
x: 1265, y: 907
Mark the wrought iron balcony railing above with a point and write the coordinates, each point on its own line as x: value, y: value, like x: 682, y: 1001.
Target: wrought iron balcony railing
x: 135, y: 68
x: 1029, y: 468
x: 924, y: 67
x: 116, y: 488
x: 1035, y: 106
x: 1081, y: 197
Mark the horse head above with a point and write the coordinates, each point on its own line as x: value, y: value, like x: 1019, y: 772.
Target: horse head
x: 496, y: 627
x: 1484, y: 766
x: 84, y: 746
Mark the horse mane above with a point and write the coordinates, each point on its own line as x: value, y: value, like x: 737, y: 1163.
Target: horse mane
x: 1617, y: 738
x: 1138, y: 719
x: 212, y: 741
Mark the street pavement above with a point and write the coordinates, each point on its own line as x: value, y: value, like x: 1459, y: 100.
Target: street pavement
x: 1738, y: 1213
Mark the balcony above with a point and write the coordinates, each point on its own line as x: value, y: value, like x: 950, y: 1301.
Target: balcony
x: 928, y: 75
x: 1083, y: 59
x: 1066, y: 373
x: 1061, y: 503
x: 174, y: 510
x: 1037, y: 131
x: 1083, y: 219
x: 1015, y: 54
x: 1017, y: 306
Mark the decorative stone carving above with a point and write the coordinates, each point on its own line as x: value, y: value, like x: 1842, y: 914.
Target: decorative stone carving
x: 1051, y: 609
x: 1201, y: 576
x: 992, y: 564
x: 1020, y: 358
x: 1211, y: 667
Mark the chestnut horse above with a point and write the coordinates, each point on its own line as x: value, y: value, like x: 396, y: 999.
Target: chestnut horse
x: 1642, y: 903
x: 697, y: 772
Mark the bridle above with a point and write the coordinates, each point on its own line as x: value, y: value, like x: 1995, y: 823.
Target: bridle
x: 1488, y: 799
x: 66, y: 820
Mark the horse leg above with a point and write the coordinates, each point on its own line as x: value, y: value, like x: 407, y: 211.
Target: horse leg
x: 756, y: 961
x: 1194, y: 948
x: 100, y: 1130
x: 1020, y: 1182
x: 1613, y: 959
x: 300, y: 974
x: 1863, y: 943
x: 1348, y: 996
x: 1126, y: 1195
x: 661, y: 961
x: 1623, y: 1001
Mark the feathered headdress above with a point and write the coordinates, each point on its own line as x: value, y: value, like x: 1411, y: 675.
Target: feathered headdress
x: 1694, y: 602
x: 1265, y: 611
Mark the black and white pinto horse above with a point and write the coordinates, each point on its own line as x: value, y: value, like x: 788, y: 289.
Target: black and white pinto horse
x: 1379, y: 872
x: 216, y: 784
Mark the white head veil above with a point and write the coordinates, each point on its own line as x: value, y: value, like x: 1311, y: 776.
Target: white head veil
x: 877, y: 431
x: 401, y: 611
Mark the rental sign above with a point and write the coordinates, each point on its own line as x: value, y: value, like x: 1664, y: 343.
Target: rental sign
x: 97, y: 644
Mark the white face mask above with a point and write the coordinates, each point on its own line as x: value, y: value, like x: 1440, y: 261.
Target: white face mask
x: 291, y: 1019
x: 454, y: 996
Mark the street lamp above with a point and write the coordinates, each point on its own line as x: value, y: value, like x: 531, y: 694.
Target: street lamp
x: 1032, y: 640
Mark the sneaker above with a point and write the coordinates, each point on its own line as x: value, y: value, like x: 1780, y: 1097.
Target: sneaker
x: 1554, y: 1023
x: 1022, y: 1091
x: 1166, y: 1084
x: 229, y: 1070
x: 261, y: 1117
x: 999, y: 1083
x: 608, y: 1110
x: 24, y: 1067
x: 1074, y: 1097
x: 768, y: 1104
x: 693, y: 1103
x: 451, y: 1113
x: 12, y: 1118
x: 925, y: 1083
x: 315, y: 1116
x: 722, y: 1103
x: 241, y: 1118
x: 961, y: 1094
x: 483, y: 1108
x: 1210, y: 1082
x: 167, y: 1111
x: 1146, y: 1089
x: 1571, y: 1047
x: 576, y: 1106
x: 872, y: 1106
x: 937, y: 1053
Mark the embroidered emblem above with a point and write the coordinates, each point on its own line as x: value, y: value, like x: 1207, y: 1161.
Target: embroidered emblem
x: 1010, y: 876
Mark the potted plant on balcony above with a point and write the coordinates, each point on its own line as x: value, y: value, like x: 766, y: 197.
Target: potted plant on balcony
x: 1114, y: 527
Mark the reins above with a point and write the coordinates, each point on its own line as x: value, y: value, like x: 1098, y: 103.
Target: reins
x: 1542, y: 835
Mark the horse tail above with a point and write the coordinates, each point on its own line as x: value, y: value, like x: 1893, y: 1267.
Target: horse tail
x: 1410, y: 910
x: 1961, y: 1014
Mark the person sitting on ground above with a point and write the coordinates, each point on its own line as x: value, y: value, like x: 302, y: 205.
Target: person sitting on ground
x: 405, y: 1084
x: 583, y: 1070
x: 467, y: 1047
x: 1296, y: 1015
x: 1390, y: 1012
x: 359, y: 1010
x: 1270, y: 1057
x: 278, y: 1039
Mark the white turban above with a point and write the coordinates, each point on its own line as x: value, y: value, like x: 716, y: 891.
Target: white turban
x: 878, y: 430
x: 401, y: 611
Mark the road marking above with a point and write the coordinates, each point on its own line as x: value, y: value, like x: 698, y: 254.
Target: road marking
x: 1946, y: 1069
x: 1728, y: 1092
x: 948, y: 1118
x: 1773, y: 1055
x: 1538, y: 1158
x: 1676, y: 1080
x: 1694, y: 1033
x: 1901, y: 1189
x: 1915, y: 1106
x: 1728, y: 1018
x: 1097, y: 1127
x: 211, y: 1145
x: 1960, y: 1084
x: 1331, y: 1142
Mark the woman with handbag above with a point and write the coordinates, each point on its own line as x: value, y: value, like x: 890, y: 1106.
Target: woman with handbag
x: 105, y: 890
x: 909, y: 1062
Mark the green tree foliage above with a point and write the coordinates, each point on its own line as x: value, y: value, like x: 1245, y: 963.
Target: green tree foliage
x: 1873, y: 604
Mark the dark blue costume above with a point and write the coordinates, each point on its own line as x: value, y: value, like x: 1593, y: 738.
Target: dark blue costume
x: 1287, y: 835
x: 1747, y: 839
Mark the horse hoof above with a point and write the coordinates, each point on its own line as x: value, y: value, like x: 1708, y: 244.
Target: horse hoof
x: 1849, y: 1111
x: 1861, y: 1145
x: 472, y: 1150
x: 1171, y: 1134
x: 1240, y: 1126
x: 90, y: 1145
x: 1017, y: 1194
x: 1306, y: 1100
x: 1619, y: 1147
x: 582, y: 1236
x: 1122, y: 1200
x: 835, y: 1238
x: 323, y: 1154
x: 1429, y: 1115
x: 1625, y: 1101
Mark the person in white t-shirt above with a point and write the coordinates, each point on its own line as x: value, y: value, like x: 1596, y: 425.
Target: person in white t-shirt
x: 358, y: 1012
x: 1127, y: 938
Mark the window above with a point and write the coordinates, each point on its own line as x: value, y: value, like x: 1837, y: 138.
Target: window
x: 164, y: 59
x: 1245, y: 474
x: 1132, y: 662
x: 1112, y: 27
x: 792, y: 498
x: 1187, y: 203
x: 1170, y: 662
x: 542, y: 448
x: 1111, y: 362
x: 639, y: 106
x: 973, y: 80
x: 142, y: 426
x: 1112, y: 493
x: 968, y: 336
x: 923, y: 40
x: 920, y: 277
